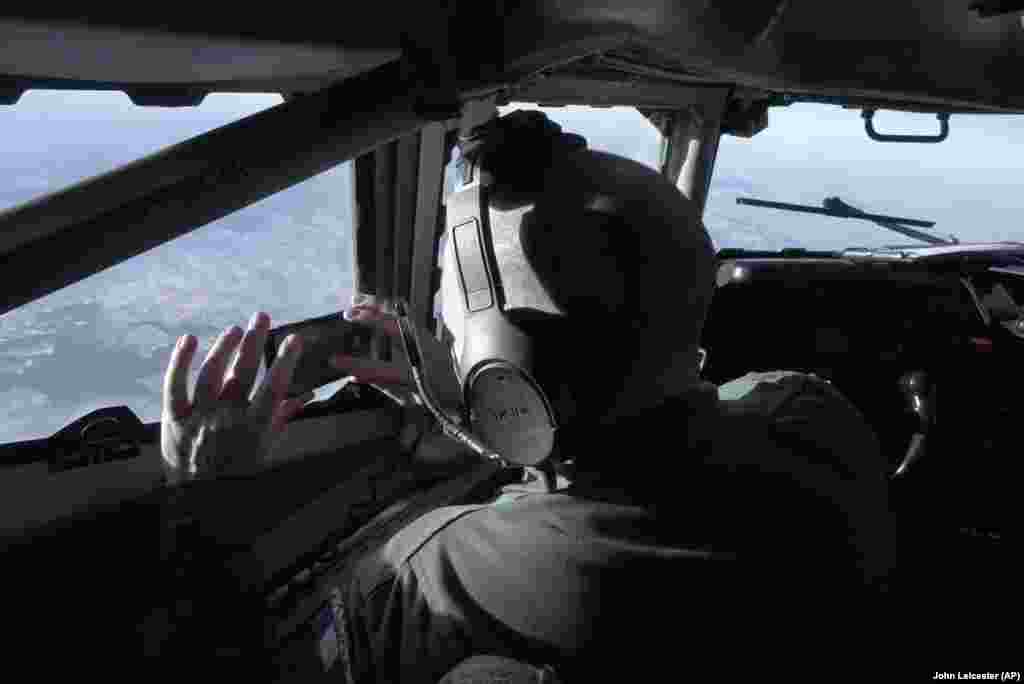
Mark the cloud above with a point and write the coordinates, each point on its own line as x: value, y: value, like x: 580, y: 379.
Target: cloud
x: 146, y: 339
x: 22, y: 408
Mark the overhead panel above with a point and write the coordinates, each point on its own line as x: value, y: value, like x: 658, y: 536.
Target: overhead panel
x: 120, y: 51
x: 927, y: 51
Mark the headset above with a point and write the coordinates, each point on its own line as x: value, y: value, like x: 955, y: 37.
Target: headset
x: 493, y: 357
x: 487, y: 280
x: 531, y: 201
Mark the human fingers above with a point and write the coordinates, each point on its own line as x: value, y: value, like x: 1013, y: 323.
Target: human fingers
x: 373, y: 317
x: 211, y: 375
x: 287, y: 409
x: 238, y: 384
x: 371, y: 371
x: 176, y: 403
x: 275, y: 385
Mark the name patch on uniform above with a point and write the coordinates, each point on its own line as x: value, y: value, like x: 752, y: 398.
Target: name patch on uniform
x: 332, y: 636
x: 327, y: 633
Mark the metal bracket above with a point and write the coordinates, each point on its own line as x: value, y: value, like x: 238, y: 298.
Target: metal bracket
x: 475, y: 114
x: 689, y: 144
x: 869, y: 126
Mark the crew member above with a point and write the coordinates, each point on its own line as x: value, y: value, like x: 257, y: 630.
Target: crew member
x: 730, y: 528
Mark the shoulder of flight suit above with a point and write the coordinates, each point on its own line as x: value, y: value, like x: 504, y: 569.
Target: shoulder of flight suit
x: 809, y: 431
x: 379, y: 583
x: 805, y: 410
x: 788, y: 423
x: 396, y: 629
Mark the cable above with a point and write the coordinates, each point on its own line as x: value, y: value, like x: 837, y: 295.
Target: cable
x: 410, y: 342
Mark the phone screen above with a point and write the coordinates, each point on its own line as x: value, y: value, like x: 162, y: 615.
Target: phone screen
x: 322, y: 338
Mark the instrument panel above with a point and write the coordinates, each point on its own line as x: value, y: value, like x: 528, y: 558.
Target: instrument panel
x: 867, y: 327
x: 827, y: 313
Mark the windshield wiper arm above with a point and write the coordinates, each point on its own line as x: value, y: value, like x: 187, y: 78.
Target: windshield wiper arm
x: 835, y: 207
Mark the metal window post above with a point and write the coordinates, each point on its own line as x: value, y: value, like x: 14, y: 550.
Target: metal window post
x: 690, y: 144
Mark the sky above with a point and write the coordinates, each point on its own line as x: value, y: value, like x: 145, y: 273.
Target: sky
x: 105, y: 340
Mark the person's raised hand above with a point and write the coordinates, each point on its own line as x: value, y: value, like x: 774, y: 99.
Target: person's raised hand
x: 220, y: 430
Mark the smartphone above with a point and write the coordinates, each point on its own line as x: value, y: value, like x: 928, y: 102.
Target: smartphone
x: 322, y: 338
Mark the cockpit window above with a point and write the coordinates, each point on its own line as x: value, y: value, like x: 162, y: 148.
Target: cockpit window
x: 967, y: 185
x: 105, y: 340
